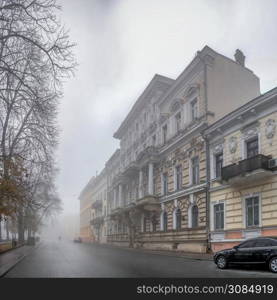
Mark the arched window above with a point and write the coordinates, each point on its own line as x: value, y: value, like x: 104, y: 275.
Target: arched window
x: 178, y: 219
x: 154, y: 224
x: 194, y: 219
x: 164, y: 221
x: 143, y: 223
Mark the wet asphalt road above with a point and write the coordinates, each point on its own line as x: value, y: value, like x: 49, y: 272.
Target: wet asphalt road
x: 68, y: 259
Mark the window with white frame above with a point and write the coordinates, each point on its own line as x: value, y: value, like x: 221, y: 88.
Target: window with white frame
x: 177, y: 219
x: 154, y: 140
x: 194, y: 216
x: 143, y: 223
x: 195, y: 170
x: 218, y: 163
x: 154, y: 223
x: 165, y: 183
x: 164, y: 221
x: 252, y: 147
x: 252, y: 211
x: 193, y: 109
x: 145, y: 117
x: 164, y: 133
x: 219, y: 216
x: 178, y: 122
x: 178, y: 177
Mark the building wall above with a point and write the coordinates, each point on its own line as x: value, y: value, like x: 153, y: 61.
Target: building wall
x: 85, y: 230
x: 233, y: 195
x: 229, y: 86
x: 211, y: 80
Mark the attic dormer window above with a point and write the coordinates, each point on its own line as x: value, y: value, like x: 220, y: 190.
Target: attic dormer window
x: 193, y: 109
x: 178, y: 122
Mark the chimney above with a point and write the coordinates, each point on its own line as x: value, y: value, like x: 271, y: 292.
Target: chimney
x: 239, y: 57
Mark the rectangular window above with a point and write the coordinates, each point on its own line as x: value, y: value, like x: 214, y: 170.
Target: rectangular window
x: 145, y: 118
x: 165, y: 183
x: 218, y: 164
x: 154, y: 140
x: 252, y: 147
x: 219, y: 216
x: 195, y: 170
x: 178, y: 177
x: 164, y: 129
x: 252, y: 207
x: 178, y: 122
x: 193, y: 108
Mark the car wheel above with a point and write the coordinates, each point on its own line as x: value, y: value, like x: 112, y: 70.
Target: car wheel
x: 221, y: 262
x: 273, y: 265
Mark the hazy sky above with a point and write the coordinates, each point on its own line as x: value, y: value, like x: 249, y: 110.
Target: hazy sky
x: 121, y: 44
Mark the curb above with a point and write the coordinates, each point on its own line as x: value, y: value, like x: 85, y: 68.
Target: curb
x: 11, y: 265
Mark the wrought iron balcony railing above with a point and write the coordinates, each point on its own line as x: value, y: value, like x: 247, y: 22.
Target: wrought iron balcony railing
x: 245, y: 166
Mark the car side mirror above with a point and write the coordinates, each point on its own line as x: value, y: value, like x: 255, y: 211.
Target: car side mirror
x: 236, y: 247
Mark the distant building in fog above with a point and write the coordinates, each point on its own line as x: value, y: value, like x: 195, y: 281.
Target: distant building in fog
x: 93, y: 209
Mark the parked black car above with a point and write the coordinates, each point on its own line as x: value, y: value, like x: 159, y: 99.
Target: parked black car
x: 261, y: 250
x: 77, y: 240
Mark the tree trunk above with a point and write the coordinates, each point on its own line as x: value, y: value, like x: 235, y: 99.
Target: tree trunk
x: 20, y: 227
x: 7, y: 230
x: 0, y: 228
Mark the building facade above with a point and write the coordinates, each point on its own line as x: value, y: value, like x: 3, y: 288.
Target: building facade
x: 197, y: 164
x: 93, y: 209
x: 243, y: 172
x: 158, y: 189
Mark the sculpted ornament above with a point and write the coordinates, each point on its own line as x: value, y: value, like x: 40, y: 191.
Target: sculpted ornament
x: 218, y: 148
x: 250, y: 133
x: 233, y: 144
x: 270, y: 128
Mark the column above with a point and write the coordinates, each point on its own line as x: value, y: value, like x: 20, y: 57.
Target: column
x: 150, y: 179
x: 140, y: 183
x: 120, y: 195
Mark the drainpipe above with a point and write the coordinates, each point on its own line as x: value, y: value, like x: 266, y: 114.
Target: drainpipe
x: 208, y: 191
x: 207, y: 156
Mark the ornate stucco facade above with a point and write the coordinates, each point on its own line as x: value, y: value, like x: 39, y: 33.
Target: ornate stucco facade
x: 175, y: 182
x: 243, y: 195
x: 157, y: 183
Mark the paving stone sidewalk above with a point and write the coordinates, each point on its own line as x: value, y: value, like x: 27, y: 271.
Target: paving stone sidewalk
x: 10, y: 258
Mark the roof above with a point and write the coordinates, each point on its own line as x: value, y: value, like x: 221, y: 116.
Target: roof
x: 156, y: 82
x: 172, y: 85
x: 92, y: 182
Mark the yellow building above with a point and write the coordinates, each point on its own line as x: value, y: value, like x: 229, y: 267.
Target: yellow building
x: 243, y: 173
x: 93, y: 209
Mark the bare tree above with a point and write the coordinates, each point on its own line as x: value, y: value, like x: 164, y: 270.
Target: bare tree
x: 35, y: 57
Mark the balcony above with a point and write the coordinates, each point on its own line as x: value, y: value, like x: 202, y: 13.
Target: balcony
x: 97, y: 220
x: 255, y: 167
x: 130, y: 170
x: 149, y: 203
x: 97, y: 204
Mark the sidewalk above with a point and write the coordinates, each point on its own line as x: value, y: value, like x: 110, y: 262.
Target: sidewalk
x: 185, y: 255
x: 10, y: 258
